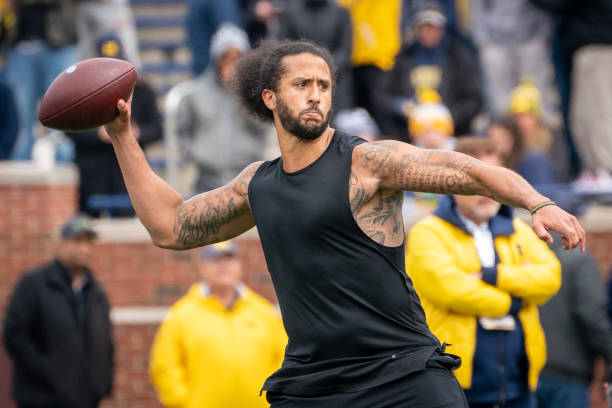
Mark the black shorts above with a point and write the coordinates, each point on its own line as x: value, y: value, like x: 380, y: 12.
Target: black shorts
x: 434, y: 387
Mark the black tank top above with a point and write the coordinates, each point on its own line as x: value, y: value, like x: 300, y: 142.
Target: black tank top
x: 353, y: 318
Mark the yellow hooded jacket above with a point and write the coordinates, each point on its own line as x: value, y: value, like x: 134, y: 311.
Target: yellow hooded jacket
x: 207, y: 356
x: 441, y: 257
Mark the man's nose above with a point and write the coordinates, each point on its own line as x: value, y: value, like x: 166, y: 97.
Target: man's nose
x: 314, y: 96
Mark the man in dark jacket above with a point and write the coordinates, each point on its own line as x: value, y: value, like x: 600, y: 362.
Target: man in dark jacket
x: 577, y: 331
x: 434, y: 61
x: 57, y: 329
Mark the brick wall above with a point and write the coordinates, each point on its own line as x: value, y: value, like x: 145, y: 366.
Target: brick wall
x: 134, y: 272
x: 137, y: 275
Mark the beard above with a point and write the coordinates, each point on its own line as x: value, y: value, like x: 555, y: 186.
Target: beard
x: 301, y: 130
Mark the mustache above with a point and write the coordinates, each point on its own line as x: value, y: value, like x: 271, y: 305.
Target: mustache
x: 312, y: 107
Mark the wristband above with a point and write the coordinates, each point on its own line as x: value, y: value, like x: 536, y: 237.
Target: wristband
x: 543, y: 204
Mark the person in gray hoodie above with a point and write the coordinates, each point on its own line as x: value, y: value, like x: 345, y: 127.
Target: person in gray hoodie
x: 577, y: 332
x: 213, y: 130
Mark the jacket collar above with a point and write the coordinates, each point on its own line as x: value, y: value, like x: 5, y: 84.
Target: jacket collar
x: 60, y: 276
x: 500, y: 225
x: 205, y: 289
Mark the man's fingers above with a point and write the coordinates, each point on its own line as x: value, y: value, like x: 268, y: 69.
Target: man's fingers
x: 123, y: 107
x: 582, y: 234
x: 542, y: 233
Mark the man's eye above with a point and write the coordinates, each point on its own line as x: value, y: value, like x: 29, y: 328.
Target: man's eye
x: 323, y: 86
x: 301, y: 84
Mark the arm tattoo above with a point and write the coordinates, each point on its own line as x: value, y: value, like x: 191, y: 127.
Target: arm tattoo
x: 377, y: 213
x: 203, y: 219
x: 383, y: 219
x: 422, y: 169
x: 437, y: 172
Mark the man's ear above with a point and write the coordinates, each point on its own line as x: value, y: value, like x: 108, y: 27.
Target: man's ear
x: 269, y: 99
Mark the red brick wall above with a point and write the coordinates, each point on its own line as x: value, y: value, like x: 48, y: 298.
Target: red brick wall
x: 132, y: 388
x: 134, y: 274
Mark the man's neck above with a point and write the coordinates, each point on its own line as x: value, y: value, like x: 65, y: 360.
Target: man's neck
x: 78, y: 279
x: 299, y: 153
x: 478, y: 222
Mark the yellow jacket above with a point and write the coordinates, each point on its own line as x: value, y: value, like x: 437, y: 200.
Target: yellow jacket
x: 206, y: 356
x: 376, y: 31
x: 441, y: 257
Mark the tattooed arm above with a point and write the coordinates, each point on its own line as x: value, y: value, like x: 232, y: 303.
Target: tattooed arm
x: 400, y: 166
x: 173, y: 223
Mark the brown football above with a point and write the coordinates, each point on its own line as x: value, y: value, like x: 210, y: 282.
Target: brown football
x: 84, y: 96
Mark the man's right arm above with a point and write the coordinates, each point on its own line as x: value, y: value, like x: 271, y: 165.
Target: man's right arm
x: 207, y: 218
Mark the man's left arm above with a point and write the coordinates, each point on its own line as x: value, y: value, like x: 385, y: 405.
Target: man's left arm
x: 397, y: 165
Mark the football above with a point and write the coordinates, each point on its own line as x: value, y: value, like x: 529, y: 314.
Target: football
x: 84, y: 96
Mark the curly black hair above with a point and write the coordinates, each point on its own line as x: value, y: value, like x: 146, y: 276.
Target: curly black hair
x: 262, y: 68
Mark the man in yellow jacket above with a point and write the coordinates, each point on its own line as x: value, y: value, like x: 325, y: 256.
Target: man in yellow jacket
x: 480, y: 274
x: 219, y: 342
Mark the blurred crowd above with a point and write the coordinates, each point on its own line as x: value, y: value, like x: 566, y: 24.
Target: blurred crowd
x: 530, y: 74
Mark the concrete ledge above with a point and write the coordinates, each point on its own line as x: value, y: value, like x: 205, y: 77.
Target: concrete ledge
x: 131, y: 230
x: 133, y: 315
x: 597, y: 219
x: 28, y: 173
x: 138, y: 315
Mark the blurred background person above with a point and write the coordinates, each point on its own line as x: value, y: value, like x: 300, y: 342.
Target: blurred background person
x: 95, y: 18
x: 203, y: 19
x: 434, y: 61
x: 526, y: 108
x: 327, y: 24
x: 9, y: 123
x: 94, y: 156
x: 585, y: 37
x: 534, y: 165
x: 430, y: 124
x: 214, y: 130
x: 481, y: 274
x: 577, y: 331
x: 219, y: 342
x: 513, y: 41
x: 260, y: 18
x: 57, y: 328
x: 376, y: 41
x: 357, y: 122
x: 40, y: 44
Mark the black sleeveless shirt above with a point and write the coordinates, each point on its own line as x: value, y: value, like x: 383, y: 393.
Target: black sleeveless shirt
x: 353, y: 318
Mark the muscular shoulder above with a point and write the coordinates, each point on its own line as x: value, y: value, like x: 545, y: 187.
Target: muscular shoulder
x: 386, y: 158
x: 240, y: 185
x: 373, y: 156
